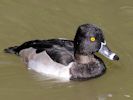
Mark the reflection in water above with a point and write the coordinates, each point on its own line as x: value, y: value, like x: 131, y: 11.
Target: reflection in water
x: 43, y: 77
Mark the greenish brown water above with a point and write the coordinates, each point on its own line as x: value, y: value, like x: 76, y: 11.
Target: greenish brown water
x: 23, y: 20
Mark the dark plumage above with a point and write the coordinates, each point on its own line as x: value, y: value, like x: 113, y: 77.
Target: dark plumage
x: 59, y: 50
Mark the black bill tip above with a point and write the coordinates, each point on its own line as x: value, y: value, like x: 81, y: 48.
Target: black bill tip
x: 116, y: 57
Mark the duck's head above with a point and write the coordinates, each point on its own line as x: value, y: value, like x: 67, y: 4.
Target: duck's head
x: 89, y: 39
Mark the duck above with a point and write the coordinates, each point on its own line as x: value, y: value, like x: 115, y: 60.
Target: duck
x: 67, y: 59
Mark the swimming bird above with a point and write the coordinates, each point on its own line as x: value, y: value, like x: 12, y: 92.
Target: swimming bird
x: 67, y: 59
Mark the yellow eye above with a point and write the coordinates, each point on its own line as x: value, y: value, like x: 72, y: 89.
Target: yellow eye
x: 92, y: 39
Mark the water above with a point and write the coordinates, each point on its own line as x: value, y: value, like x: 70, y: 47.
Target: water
x: 22, y: 20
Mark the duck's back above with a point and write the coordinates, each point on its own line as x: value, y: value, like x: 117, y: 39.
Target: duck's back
x: 61, y: 51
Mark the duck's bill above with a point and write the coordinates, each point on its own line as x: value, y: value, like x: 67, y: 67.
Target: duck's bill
x: 104, y: 50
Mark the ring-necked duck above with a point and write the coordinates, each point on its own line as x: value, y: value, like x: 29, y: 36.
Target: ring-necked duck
x: 71, y: 60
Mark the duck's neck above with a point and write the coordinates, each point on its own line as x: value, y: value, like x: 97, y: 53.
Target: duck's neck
x: 84, y: 59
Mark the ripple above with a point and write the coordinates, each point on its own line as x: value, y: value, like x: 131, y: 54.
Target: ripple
x: 104, y: 97
x: 127, y: 95
x: 127, y: 10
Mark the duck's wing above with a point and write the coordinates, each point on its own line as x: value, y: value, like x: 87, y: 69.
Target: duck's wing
x: 59, y: 50
x: 62, y: 51
x: 67, y: 44
x: 41, y: 45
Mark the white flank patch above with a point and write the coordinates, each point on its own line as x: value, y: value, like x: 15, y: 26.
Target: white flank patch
x: 42, y: 63
x: 50, y: 70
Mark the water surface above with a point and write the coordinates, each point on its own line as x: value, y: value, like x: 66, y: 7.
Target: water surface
x: 23, y: 20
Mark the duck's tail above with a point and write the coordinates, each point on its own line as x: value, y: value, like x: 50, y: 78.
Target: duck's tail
x: 11, y: 50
